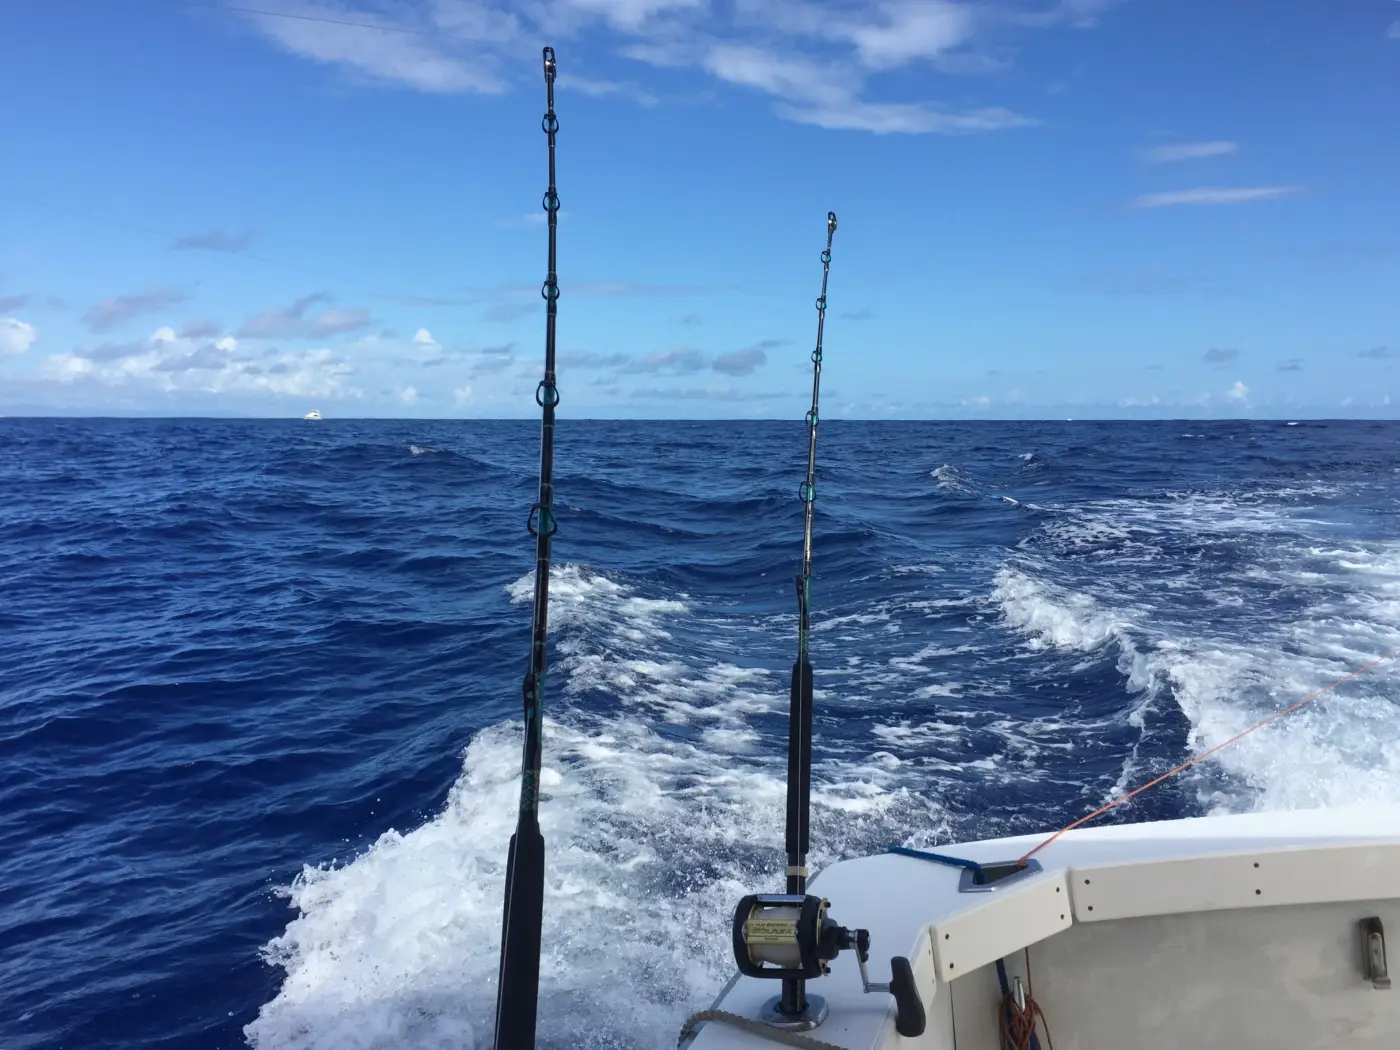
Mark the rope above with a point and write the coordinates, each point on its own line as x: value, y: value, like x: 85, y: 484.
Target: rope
x: 1016, y: 1027
x: 936, y: 858
x: 1206, y: 754
x: 758, y: 1028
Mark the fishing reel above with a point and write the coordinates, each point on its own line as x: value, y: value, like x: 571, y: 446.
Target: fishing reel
x: 789, y: 937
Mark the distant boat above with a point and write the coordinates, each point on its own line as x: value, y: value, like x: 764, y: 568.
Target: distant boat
x: 313, y: 414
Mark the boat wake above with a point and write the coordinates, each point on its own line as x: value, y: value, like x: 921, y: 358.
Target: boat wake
x: 1115, y: 638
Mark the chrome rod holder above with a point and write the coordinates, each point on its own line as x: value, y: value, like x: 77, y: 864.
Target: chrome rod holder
x: 1373, y: 953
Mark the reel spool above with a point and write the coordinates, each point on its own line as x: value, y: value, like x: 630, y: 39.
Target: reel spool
x: 786, y: 936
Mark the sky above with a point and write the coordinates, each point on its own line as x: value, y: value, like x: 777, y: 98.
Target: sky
x: 1047, y: 208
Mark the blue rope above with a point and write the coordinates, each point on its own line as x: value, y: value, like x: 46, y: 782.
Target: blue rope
x: 937, y: 858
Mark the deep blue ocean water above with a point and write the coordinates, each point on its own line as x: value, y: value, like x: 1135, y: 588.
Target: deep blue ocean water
x: 259, y: 690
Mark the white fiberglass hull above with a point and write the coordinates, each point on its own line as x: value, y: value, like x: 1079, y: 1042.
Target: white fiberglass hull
x: 1231, y: 932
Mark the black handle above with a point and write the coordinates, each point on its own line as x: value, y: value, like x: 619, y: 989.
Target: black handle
x: 909, y: 1020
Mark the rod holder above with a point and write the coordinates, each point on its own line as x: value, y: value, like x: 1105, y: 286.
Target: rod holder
x: 1373, y: 953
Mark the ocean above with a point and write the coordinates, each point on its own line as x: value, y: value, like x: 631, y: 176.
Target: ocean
x: 260, y: 691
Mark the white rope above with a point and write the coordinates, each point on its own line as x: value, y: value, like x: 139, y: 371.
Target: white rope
x: 758, y: 1028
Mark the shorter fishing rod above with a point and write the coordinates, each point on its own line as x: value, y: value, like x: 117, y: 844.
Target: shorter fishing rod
x: 789, y: 936
x: 799, y: 776
x: 517, y: 993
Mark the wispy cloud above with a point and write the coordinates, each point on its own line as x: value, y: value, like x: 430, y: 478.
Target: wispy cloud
x: 1379, y: 353
x: 1213, y: 195
x: 1292, y: 364
x: 677, y: 361
x: 418, y: 300
x: 1179, y: 151
x: 707, y: 393
x: 446, y: 48
x: 1393, y: 33
x: 608, y: 89
x: 199, y: 329
x: 511, y: 303
x: 13, y: 302
x: 571, y: 360
x: 1218, y: 355
x: 813, y: 59
x: 741, y: 362
x: 291, y: 322
x: 529, y: 221
x: 216, y: 241
x: 110, y: 313
x: 857, y: 315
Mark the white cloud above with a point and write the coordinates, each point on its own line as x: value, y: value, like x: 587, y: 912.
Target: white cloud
x: 408, y: 395
x: 423, y: 337
x: 1187, y: 151
x: 1208, y: 195
x: 912, y: 29
x: 1139, y: 402
x: 1239, y: 393
x: 64, y: 367
x: 910, y: 118
x: 15, y: 336
x: 462, y: 396
x: 167, y: 362
x: 409, y: 47
x: 976, y: 402
x: 1393, y: 32
x: 825, y: 94
x: 813, y: 56
x: 630, y: 16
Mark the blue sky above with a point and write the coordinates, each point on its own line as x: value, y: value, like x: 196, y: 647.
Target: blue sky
x: 1048, y: 208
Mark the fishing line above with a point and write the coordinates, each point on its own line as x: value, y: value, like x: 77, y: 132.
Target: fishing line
x: 1206, y: 754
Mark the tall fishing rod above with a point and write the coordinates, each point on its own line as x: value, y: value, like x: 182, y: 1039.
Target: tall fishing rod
x: 790, y: 936
x: 799, y: 776
x: 517, y: 994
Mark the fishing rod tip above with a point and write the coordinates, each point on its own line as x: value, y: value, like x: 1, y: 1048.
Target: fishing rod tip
x: 549, y: 63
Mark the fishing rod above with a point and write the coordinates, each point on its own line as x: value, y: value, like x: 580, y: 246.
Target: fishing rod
x: 799, y: 776
x: 517, y: 993
x: 789, y: 936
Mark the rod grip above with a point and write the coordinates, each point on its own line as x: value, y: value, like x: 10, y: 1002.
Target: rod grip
x: 799, y: 777
x: 517, y: 997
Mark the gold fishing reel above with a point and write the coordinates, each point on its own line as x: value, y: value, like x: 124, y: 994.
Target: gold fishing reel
x: 789, y: 937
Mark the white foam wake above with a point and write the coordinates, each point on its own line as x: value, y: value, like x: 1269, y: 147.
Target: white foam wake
x: 653, y: 832
x: 1217, y: 644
